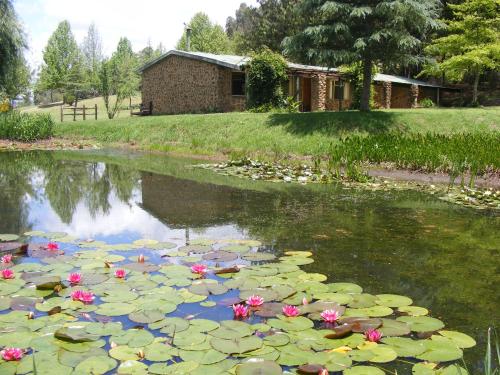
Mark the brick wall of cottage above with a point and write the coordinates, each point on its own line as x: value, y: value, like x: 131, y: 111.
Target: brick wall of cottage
x: 183, y: 85
x: 318, y: 92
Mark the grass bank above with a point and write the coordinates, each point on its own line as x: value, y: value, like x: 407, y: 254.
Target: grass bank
x: 275, y: 134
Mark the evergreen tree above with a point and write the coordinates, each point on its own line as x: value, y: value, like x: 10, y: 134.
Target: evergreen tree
x: 266, y: 25
x: 472, y: 45
x: 373, y: 32
x: 92, y: 56
x: 12, y: 44
x: 205, y: 36
x: 62, y: 63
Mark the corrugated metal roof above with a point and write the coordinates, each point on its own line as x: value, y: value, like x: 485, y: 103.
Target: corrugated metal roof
x: 379, y: 77
x: 228, y: 61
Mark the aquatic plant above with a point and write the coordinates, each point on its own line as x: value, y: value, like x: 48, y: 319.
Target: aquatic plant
x: 330, y: 316
x: 7, y: 274
x: 240, y: 311
x: 12, y: 354
x: 52, y: 246
x: 120, y: 273
x: 240, y: 319
x: 254, y: 301
x: 74, y: 278
x: 373, y: 335
x: 7, y: 258
x: 199, y: 269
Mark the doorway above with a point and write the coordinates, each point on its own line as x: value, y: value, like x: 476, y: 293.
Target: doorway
x: 306, y: 94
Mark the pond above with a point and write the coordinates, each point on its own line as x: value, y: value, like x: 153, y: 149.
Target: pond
x: 444, y: 257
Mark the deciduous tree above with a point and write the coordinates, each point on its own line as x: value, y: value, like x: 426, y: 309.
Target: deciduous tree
x: 344, y: 32
x: 472, y: 45
x: 92, y: 58
x: 205, y: 36
x: 62, y: 62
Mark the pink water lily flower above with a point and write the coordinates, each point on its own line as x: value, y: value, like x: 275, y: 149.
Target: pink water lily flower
x: 74, y: 278
x: 52, y: 246
x: 240, y: 311
x: 330, y: 316
x: 12, y: 354
x: 290, y: 311
x: 141, y: 259
x: 373, y: 335
x: 82, y: 296
x: 200, y: 269
x: 255, y: 301
x: 8, y: 274
x: 120, y: 274
x: 7, y: 258
x: 323, y: 372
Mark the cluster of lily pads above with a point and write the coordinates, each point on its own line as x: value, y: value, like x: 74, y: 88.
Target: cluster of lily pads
x: 267, y: 171
x: 276, y: 172
x: 209, y: 307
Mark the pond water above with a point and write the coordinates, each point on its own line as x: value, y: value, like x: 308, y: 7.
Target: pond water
x: 444, y: 257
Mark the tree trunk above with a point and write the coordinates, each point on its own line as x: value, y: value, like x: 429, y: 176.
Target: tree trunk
x: 367, y: 85
x: 474, y: 90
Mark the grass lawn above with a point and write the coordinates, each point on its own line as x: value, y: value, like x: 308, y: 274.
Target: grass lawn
x: 275, y: 134
x: 89, y: 103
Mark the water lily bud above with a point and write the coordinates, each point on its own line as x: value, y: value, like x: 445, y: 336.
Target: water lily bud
x: 323, y: 372
x: 141, y: 354
x: 31, y: 315
x: 140, y: 259
x: 108, y: 264
x: 113, y: 344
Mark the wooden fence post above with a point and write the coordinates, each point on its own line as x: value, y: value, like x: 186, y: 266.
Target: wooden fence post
x: 84, y: 112
x: 95, y: 111
x: 74, y: 113
x: 62, y: 117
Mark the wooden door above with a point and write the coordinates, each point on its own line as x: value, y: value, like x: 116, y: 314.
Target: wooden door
x: 306, y: 94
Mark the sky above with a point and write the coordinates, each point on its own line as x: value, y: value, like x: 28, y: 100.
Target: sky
x: 140, y: 21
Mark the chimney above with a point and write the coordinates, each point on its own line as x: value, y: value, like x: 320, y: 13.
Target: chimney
x: 188, y: 38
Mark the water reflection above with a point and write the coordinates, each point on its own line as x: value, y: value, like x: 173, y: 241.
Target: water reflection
x: 443, y: 256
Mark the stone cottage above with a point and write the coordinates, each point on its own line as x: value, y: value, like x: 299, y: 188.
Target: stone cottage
x: 196, y: 82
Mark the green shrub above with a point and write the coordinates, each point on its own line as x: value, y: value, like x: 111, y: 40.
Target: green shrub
x: 426, y: 103
x: 266, y: 76
x: 25, y: 127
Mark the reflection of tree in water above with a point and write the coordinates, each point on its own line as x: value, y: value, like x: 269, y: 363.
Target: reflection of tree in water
x: 67, y: 184
x: 15, y: 185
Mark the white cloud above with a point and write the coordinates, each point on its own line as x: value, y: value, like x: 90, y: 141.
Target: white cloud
x: 140, y: 21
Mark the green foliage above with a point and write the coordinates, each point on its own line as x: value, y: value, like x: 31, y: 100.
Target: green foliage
x: 92, y: 59
x: 472, y: 45
x: 12, y: 43
x: 266, y: 75
x: 426, y: 103
x: 25, y: 127
x: 264, y: 25
x: 344, y: 32
x: 489, y: 358
x: 455, y: 154
x: 118, y: 77
x: 62, y: 66
x: 205, y: 36
x: 17, y: 79
x: 355, y: 73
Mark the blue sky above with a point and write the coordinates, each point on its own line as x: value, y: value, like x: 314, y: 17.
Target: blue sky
x: 140, y: 21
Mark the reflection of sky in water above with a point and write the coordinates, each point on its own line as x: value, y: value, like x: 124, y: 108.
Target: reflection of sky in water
x: 125, y: 221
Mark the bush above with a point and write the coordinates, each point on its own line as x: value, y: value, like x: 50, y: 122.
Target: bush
x: 426, y: 103
x: 267, y: 73
x: 25, y: 127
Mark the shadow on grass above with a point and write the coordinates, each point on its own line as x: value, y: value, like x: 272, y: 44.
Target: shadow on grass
x: 337, y: 123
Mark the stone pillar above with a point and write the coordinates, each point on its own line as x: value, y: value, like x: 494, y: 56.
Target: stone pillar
x: 387, y: 94
x: 413, y: 96
x: 318, y: 92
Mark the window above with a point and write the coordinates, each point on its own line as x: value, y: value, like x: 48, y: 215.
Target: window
x: 238, y: 83
x: 339, y: 90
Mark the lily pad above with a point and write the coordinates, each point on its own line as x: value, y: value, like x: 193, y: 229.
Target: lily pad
x: 146, y: 316
x: 8, y: 237
x: 460, y: 339
x: 440, y: 351
x: 259, y: 367
x: 393, y: 300
x: 95, y: 365
x: 363, y: 370
x: 422, y: 323
x: 236, y: 345
x: 115, y: 309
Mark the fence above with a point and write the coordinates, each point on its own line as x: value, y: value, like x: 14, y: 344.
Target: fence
x: 79, y: 111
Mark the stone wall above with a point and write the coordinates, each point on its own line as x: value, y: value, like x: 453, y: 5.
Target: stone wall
x: 318, y: 92
x: 183, y: 85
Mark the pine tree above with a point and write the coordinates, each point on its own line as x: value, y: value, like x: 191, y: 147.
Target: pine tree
x: 372, y: 32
